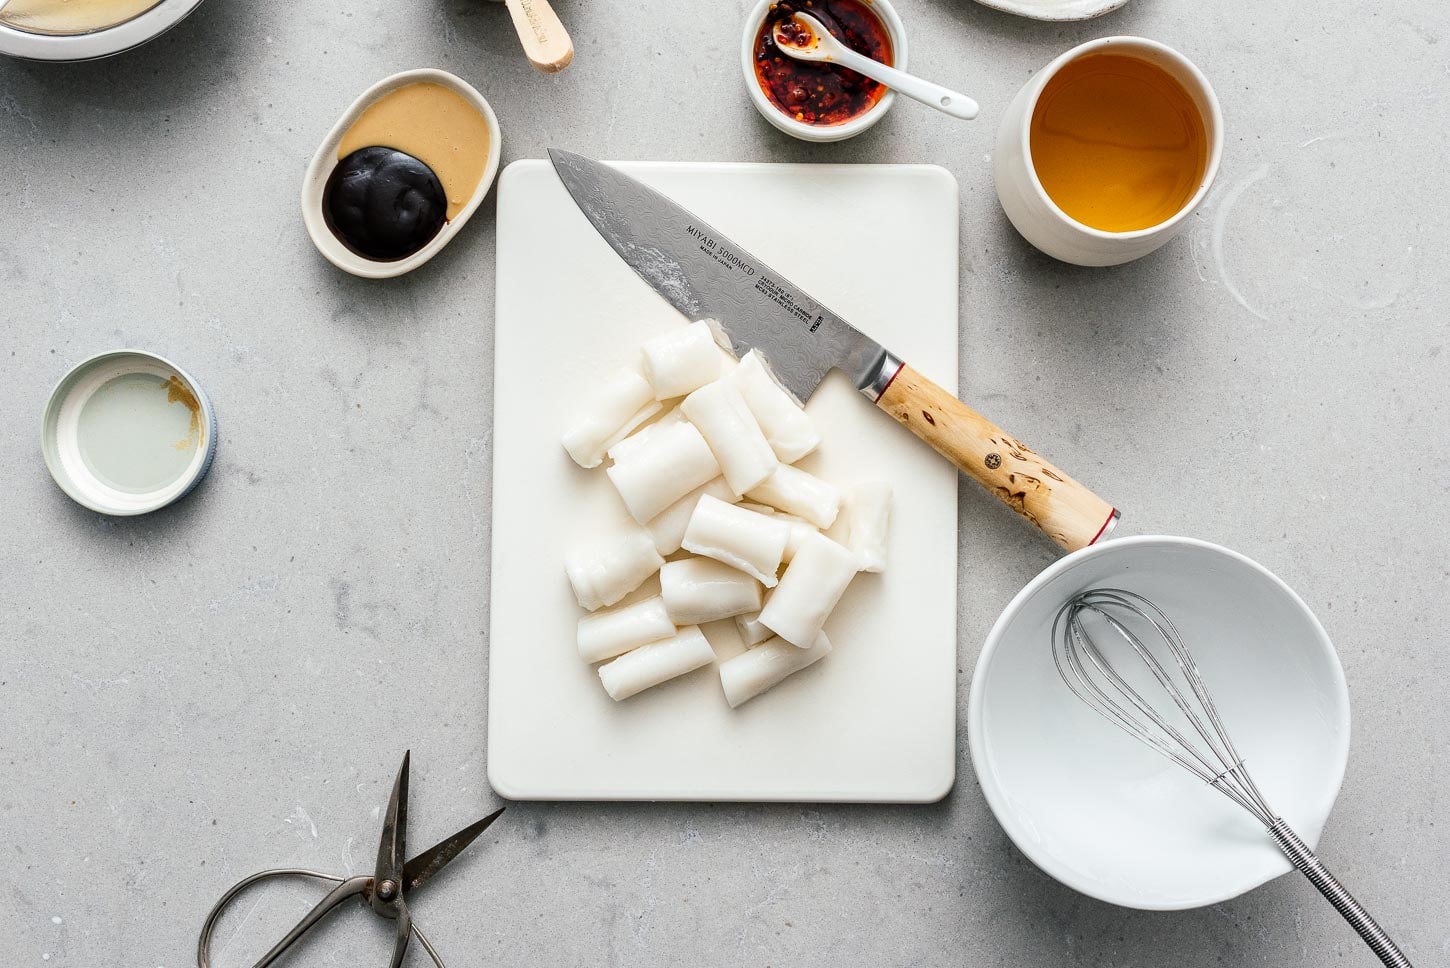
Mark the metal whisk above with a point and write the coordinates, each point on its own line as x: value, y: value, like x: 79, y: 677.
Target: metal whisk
x: 1201, y: 744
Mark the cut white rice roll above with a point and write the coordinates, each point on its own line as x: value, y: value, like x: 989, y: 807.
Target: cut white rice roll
x: 751, y: 542
x: 789, y: 429
x: 750, y: 673
x: 729, y: 427
x: 800, y: 530
x: 608, y: 567
x: 622, y: 449
x: 797, y: 492
x: 668, y: 527
x: 808, y: 591
x: 799, y: 527
x: 604, y: 635
x: 682, y: 360
x: 650, y: 665
x: 670, y: 464
x: 868, y: 522
x: 700, y: 590
x: 752, y: 633
x: 618, y: 405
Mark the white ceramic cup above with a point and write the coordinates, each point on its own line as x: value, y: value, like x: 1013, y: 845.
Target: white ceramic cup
x: 1038, y: 217
x: 895, y: 29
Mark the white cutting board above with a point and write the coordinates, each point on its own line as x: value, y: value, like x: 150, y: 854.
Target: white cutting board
x: 873, y: 721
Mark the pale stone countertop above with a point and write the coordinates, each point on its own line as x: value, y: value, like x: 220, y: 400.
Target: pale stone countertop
x: 226, y: 685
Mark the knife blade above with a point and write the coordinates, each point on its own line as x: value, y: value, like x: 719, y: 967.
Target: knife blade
x: 704, y: 274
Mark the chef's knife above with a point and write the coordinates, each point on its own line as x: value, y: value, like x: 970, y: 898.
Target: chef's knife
x: 703, y: 274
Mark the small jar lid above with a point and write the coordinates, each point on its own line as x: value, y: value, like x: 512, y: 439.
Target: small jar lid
x: 127, y: 432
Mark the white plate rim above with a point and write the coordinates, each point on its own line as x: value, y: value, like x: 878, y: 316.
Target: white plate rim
x: 1076, y: 10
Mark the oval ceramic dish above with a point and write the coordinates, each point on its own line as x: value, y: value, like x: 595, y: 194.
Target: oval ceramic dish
x: 1108, y: 816
x: 820, y: 132
x: 97, y: 43
x: 1055, y: 9
x: 314, y: 184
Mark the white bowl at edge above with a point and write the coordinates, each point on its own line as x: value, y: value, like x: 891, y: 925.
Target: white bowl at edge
x: 1060, y: 10
x: 1109, y: 817
x: 314, y: 183
x: 140, y: 29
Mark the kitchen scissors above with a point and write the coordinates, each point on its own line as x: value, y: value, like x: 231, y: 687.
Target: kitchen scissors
x: 385, y: 891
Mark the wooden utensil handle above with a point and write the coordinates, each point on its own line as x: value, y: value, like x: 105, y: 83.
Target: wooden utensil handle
x: 1067, y: 512
x: 546, y: 42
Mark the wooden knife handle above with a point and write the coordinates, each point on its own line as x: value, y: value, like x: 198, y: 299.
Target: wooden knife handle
x: 546, y: 42
x: 1067, y: 512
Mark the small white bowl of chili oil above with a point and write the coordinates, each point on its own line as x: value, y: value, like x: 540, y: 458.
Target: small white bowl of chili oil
x: 821, y: 102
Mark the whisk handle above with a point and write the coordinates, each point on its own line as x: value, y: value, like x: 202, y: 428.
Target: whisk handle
x: 1307, y: 863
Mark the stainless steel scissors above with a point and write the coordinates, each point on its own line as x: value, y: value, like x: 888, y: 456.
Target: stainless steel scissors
x: 385, y: 891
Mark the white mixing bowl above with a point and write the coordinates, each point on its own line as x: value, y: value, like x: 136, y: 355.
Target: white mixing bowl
x: 97, y: 43
x: 1108, y: 816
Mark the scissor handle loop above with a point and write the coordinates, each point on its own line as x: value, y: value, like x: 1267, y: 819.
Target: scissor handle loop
x: 354, y: 886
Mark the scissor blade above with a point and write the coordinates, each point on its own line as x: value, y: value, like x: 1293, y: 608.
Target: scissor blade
x: 403, y: 933
x: 435, y: 858
x: 393, y: 847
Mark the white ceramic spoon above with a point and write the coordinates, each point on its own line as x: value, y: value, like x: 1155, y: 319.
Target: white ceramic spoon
x: 821, y: 46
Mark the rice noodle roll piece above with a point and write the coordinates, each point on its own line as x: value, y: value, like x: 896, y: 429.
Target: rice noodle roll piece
x: 752, y: 633
x: 798, y: 492
x: 605, y: 568
x: 751, y: 673
x: 604, y: 635
x: 618, y: 405
x: 751, y: 542
x: 682, y: 360
x: 650, y: 665
x: 789, y: 429
x: 720, y: 413
x: 868, y: 523
x: 700, y: 590
x: 668, y: 527
x: 670, y: 464
x: 647, y: 433
x: 808, y: 591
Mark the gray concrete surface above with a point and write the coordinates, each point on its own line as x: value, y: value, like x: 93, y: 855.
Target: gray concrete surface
x: 227, y: 685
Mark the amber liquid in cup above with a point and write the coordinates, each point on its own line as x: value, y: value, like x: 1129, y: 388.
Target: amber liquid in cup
x: 1118, y: 143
